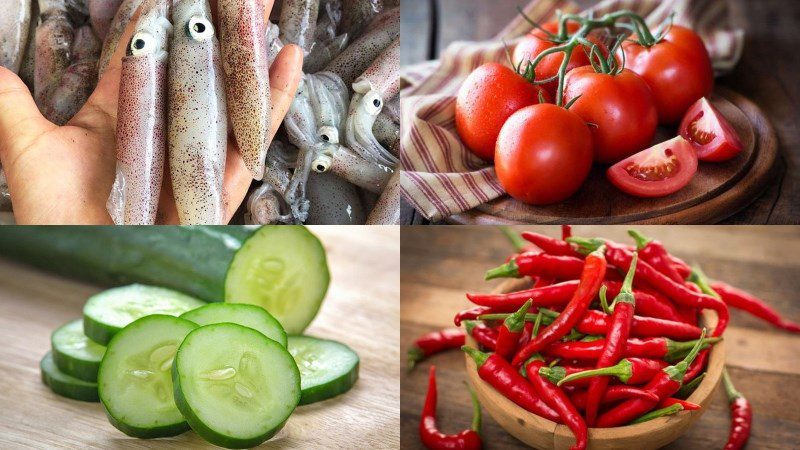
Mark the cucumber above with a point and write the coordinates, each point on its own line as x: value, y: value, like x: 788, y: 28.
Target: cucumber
x: 235, y: 386
x: 251, y: 316
x: 135, y: 381
x: 74, y: 353
x: 284, y: 271
x: 66, y: 385
x: 281, y: 268
x: 106, y: 313
x: 327, y: 368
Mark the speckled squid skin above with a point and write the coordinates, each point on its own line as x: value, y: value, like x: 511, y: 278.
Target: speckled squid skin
x: 298, y: 22
x: 356, y: 14
x: 197, y: 120
x: 15, y: 20
x: 364, y: 109
x: 26, y: 69
x: 385, y: 130
x: 244, y: 60
x: 101, y: 13
x: 383, y: 75
x: 360, y: 54
x: 54, y: 37
x: 124, y: 14
x: 333, y: 201
x: 387, y: 210
x: 323, y: 53
x: 141, y: 121
x: 356, y: 170
x: 70, y: 93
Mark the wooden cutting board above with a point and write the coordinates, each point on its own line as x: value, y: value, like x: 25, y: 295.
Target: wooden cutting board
x: 717, y: 190
x: 361, y: 310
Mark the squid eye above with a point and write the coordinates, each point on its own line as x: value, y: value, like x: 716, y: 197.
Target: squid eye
x: 322, y: 163
x: 143, y: 43
x: 373, y: 103
x: 328, y: 134
x: 200, y: 29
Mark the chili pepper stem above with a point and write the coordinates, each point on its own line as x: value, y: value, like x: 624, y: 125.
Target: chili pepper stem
x: 669, y: 410
x: 641, y: 240
x: 730, y: 389
x: 513, y: 237
x: 507, y: 270
x: 478, y: 356
x: 476, y: 410
x: 621, y: 370
x: 415, y: 355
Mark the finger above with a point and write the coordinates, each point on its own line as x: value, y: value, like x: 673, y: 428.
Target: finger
x: 20, y: 120
x: 284, y: 76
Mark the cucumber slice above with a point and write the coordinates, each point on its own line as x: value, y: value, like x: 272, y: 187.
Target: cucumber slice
x: 282, y: 269
x: 235, y: 386
x: 327, y: 368
x: 135, y: 381
x: 66, y: 385
x: 251, y: 316
x: 108, y: 312
x: 74, y: 353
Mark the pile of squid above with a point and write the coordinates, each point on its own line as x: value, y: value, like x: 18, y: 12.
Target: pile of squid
x: 185, y: 82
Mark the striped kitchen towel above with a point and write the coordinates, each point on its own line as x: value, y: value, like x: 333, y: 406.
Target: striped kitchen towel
x: 440, y: 176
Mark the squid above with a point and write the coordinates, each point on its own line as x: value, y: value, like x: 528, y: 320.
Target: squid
x: 274, y: 42
x: 267, y: 204
x: 123, y: 16
x: 101, y: 13
x: 358, y: 13
x: 141, y: 120
x: 245, y: 64
x: 385, y: 130
x: 298, y: 22
x: 197, y: 118
x: 14, y: 25
x: 387, y: 210
x: 77, y: 82
x: 322, y: 54
x: 54, y: 37
x: 328, y: 22
x: 334, y: 201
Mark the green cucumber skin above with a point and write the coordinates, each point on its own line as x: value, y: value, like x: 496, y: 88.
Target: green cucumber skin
x: 98, y: 332
x: 215, y: 310
x: 330, y: 390
x: 193, y: 260
x: 61, y: 384
x: 78, y: 368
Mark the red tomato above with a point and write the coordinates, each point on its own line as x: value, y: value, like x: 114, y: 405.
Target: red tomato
x: 677, y: 69
x: 537, y: 41
x: 710, y: 134
x: 489, y: 95
x: 544, y: 154
x: 621, y: 106
x: 658, y: 171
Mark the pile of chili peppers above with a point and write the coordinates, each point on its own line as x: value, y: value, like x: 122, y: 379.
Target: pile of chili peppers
x: 564, y: 352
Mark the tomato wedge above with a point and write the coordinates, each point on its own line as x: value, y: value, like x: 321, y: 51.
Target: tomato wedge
x: 657, y: 171
x: 710, y: 134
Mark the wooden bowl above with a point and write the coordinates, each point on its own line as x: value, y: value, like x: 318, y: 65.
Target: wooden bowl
x: 545, y: 434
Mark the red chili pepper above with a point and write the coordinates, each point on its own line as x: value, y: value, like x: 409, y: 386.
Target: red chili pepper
x: 662, y: 348
x: 520, y: 245
x: 433, y: 438
x: 486, y: 337
x: 549, y: 245
x: 525, y: 337
x: 664, y: 385
x: 543, y: 282
x: 559, y: 267
x: 741, y: 415
x: 696, y: 367
x: 591, y: 278
x: 505, y: 379
x: 553, y: 295
x: 740, y: 299
x: 621, y: 257
x: 596, y: 323
x: 556, y: 373
x: 510, y: 332
x: 558, y: 400
x: 627, y: 370
x: 613, y: 394
x: 647, y: 304
x: 687, y: 406
x: 663, y: 412
x: 654, y: 253
x: 471, y: 314
x: 566, y: 232
x: 434, y: 342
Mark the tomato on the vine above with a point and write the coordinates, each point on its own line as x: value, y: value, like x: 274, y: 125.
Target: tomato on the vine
x: 710, y: 134
x: 619, y: 108
x: 489, y: 96
x: 677, y: 69
x: 658, y: 171
x: 538, y: 41
x: 544, y: 154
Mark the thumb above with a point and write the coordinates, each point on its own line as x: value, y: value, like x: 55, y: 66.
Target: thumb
x: 20, y: 120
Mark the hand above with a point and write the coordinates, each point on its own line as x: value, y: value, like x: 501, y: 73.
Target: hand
x: 63, y: 175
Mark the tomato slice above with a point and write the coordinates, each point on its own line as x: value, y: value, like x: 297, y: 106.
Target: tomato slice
x: 710, y: 134
x: 657, y: 171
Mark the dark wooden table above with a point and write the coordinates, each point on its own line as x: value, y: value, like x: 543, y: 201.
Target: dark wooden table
x: 440, y: 264
x: 766, y: 74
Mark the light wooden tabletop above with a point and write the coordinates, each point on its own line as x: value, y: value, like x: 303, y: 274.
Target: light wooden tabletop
x: 440, y: 264
x: 361, y: 310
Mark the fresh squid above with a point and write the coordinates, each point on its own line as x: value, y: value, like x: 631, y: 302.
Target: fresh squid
x: 197, y: 119
x: 358, y: 56
x: 141, y: 119
x: 334, y: 200
x: 101, y: 13
x: 298, y: 22
x: 267, y: 204
x: 358, y: 13
x: 383, y: 75
x: 351, y: 167
x: 246, y: 68
x: 54, y: 37
x: 274, y: 42
x: 14, y: 24
x: 124, y: 14
x: 321, y: 55
x: 387, y: 210
x: 329, y: 19
x: 385, y: 130
x: 28, y: 64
